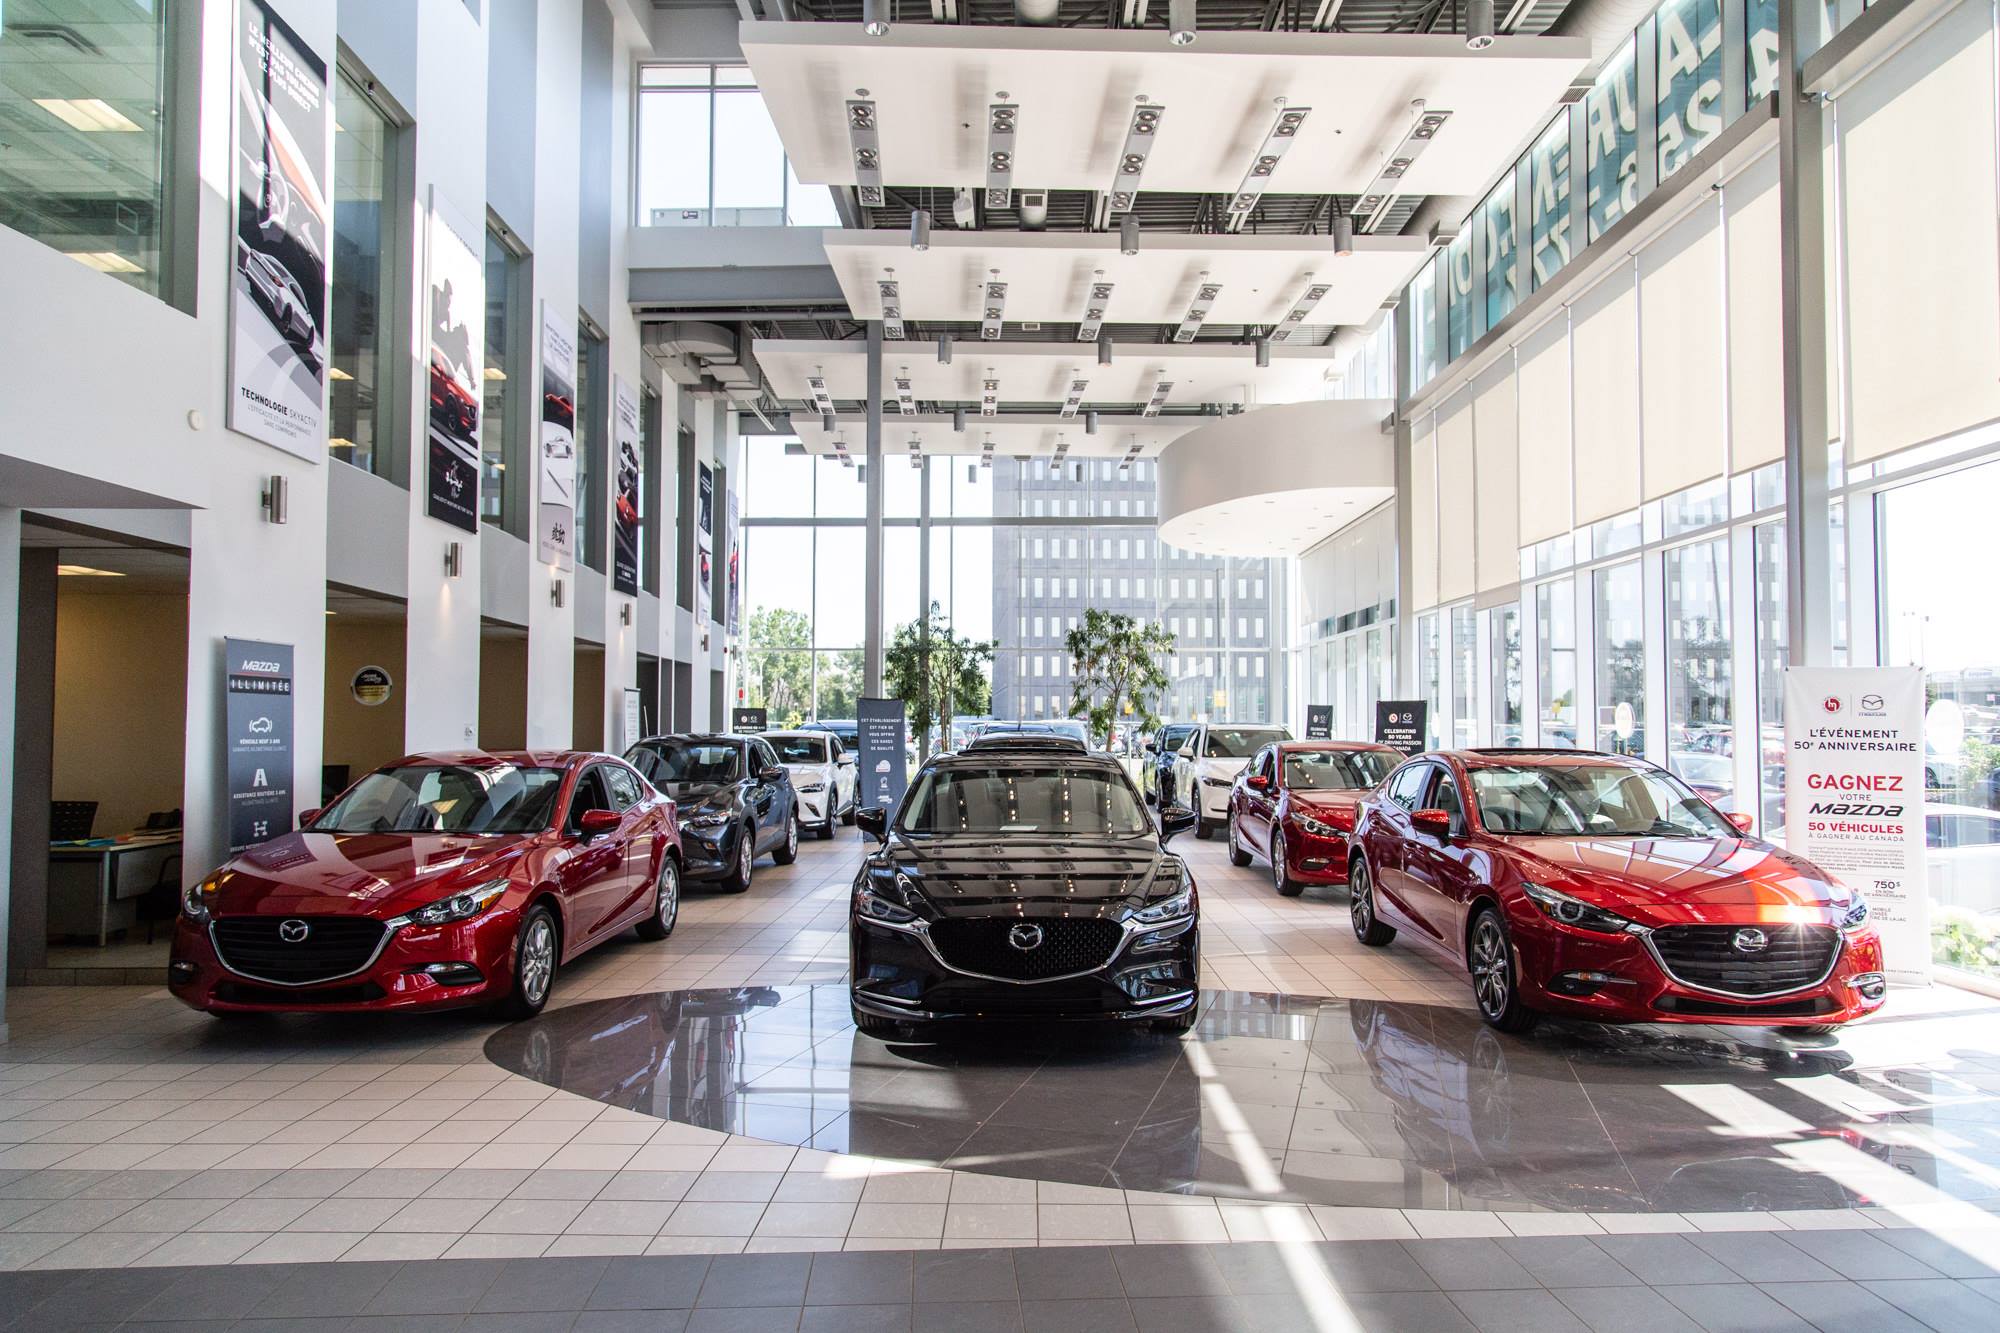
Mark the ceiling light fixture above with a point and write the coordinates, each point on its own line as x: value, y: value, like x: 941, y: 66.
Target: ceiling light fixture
x: 892, y: 304
x: 1090, y: 423
x: 906, y: 399
x: 1180, y: 22
x: 958, y: 420
x: 989, y: 394
x: 1478, y: 24
x: 1128, y: 235
x: 1314, y: 293
x: 1263, y: 353
x: 1383, y: 191
x: 1139, y: 139
x: 1079, y: 384
x: 92, y: 115
x: 1104, y: 351
x: 867, y: 148
x: 1093, y: 310
x: 920, y: 229
x: 986, y: 451
x: 964, y: 215
x: 991, y: 310
x: 944, y: 349
x: 1343, y: 233
x: 916, y: 452
x: 1257, y: 178
x: 1003, y: 119
x: 1062, y: 448
x: 816, y: 385
x: 1158, y: 398
x: 1204, y: 300
x: 875, y: 17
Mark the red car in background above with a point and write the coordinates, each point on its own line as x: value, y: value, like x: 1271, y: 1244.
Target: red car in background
x: 1294, y: 804
x: 1592, y: 886
x: 439, y: 881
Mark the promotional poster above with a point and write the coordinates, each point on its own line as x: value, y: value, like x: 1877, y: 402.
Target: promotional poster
x: 1319, y: 722
x: 632, y: 718
x: 882, y: 732
x: 257, y: 717
x: 278, y: 284
x: 1402, y: 724
x: 555, y: 507
x: 734, y: 545
x: 1854, y: 797
x: 625, y: 501
x: 456, y: 293
x: 749, y: 721
x: 704, y: 543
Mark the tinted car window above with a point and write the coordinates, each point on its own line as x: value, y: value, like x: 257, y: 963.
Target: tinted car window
x: 762, y: 755
x: 589, y: 795
x: 1408, y: 787
x: 1592, y: 800
x: 694, y: 761
x: 1237, y: 742
x: 1445, y: 797
x: 624, y: 785
x: 1023, y: 798
x: 802, y: 749
x: 446, y: 798
x: 1173, y: 738
x: 1336, y: 770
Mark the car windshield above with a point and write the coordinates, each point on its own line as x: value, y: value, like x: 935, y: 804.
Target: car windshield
x: 1024, y: 798
x: 695, y: 761
x: 446, y: 798
x: 1592, y: 801
x: 1073, y: 730
x: 1337, y: 770
x: 799, y: 749
x: 1239, y: 742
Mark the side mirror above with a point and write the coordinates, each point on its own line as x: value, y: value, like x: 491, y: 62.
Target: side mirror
x: 1745, y: 821
x: 845, y: 759
x: 1174, y: 819
x: 1257, y: 782
x: 874, y: 821
x: 1435, y: 823
x: 771, y: 774
x: 596, y: 823
x: 306, y: 817
x: 1185, y: 752
x: 1152, y: 748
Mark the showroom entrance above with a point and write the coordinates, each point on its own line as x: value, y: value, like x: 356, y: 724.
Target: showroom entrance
x: 366, y: 650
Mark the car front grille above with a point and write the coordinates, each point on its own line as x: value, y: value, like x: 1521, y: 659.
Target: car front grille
x: 1068, y: 945
x: 1793, y: 957
x: 334, y: 947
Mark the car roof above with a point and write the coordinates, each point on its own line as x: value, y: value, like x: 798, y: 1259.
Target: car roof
x: 1023, y: 741
x: 799, y: 733
x: 1070, y: 755
x: 1516, y: 757
x: 1288, y: 747
x: 497, y: 758
x: 696, y: 737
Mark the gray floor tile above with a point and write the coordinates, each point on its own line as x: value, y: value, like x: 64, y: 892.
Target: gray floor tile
x: 1842, y: 1307
x: 99, y: 1295
x: 519, y: 1321
x: 1568, y: 1260
x: 311, y: 1290
x: 1518, y: 1312
x: 1099, y: 1315
x: 542, y: 1284
x: 1360, y: 1265
x: 446, y: 1286
x: 1626, y: 1310
x: 1937, y: 1251
x: 213, y: 1295
x: 666, y: 1282
x: 968, y: 1317
x: 1940, y: 1302
x: 860, y: 1278
x: 1664, y: 1258
x: 855, y: 1319
x: 1763, y: 1256
x: 755, y: 1279
x: 745, y: 1319
x: 1188, y: 1314
x: 1469, y: 1265
x: 631, y: 1321
x: 1062, y: 1273
x: 1168, y: 1270
x: 1731, y: 1308
x: 966, y: 1275
x: 1407, y: 1312
x: 1859, y: 1255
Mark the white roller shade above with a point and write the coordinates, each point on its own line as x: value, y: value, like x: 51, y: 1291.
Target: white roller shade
x: 1497, y: 464
x: 1455, y: 484
x: 1424, y: 513
x: 1923, y: 280
x: 1604, y: 351
x: 1756, y: 364
x: 1543, y: 393
x: 1680, y: 346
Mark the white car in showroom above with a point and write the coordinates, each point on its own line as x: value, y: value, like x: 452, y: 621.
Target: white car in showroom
x: 1207, y: 764
x: 822, y: 772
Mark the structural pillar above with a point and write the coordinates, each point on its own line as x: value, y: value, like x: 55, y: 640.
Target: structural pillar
x: 871, y: 559
x: 1804, y: 315
x: 1405, y: 673
x: 10, y: 642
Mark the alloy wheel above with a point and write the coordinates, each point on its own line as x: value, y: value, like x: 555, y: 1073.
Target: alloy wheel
x: 667, y: 906
x: 746, y: 857
x: 792, y: 833
x: 1360, y: 901
x: 1491, y: 984
x: 538, y: 957
x: 1278, y: 859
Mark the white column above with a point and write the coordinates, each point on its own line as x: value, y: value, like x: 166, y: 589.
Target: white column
x: 10, y: 638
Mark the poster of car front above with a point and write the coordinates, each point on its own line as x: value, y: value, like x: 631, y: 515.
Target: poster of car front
x: 278, y: 280
x: 555, y: 507
x: 455, y: 292
x: 625, y: 496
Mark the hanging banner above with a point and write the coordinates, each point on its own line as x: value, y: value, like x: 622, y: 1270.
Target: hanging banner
x: 257, y: 722
x: 1402, y: 724
x: 555, y: 507
x: 704, y: 544
x: 456, y: 293
x: 1854, y: 797
x: 625, y: 531
x: 278, y: 287
x: 882, y: 732
x: 1319, y: 722
x: 734, y: 534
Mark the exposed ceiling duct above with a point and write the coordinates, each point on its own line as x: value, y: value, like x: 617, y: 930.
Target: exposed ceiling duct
x: 1034, y: 209
x: 690, y: 352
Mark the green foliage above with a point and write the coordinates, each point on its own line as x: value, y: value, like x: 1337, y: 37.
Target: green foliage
x: 839, y: 682
x: 1965, y: 940
x: 1115, y: 670
x: 777, y: 667
x: 937, y: 674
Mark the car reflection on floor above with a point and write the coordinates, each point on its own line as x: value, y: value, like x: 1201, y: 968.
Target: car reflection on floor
x: 1353, y: 1102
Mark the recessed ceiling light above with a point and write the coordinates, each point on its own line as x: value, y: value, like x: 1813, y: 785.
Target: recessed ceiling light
x: 89, y: 114
x: 104, y: 261
x: 88, y: 571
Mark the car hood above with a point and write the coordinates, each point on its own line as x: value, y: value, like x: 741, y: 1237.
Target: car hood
x: 688, y: 794
x: 820, y: 770
x: 1221, y: 768
x: 360, y: 874
x: 978, y: 875
x: 1325, y: 802
x: 1672, y: 881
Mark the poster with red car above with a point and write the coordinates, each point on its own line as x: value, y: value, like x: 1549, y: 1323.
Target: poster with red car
x: 455, y: 295
x: 625, y: 494
x: 555, y: 502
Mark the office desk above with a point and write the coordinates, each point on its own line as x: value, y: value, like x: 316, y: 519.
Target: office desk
x: 92, y: 883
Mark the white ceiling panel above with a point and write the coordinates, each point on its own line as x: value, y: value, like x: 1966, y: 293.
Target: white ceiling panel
x: 1076, y: 87
x: 1013, y: 436
x: 1041, y: 372
x: 1048, y: 274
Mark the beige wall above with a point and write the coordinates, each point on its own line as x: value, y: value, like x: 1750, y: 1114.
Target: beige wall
x: 589, y: 687
x: 503, y: 692
x: 121, y: 702
x: 357, y: 735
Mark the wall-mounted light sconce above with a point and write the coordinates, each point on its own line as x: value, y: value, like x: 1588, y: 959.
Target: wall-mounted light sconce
x: 277, y: 498
x: 625, y: 614
x: 454, y: 559
x: 555, y: 592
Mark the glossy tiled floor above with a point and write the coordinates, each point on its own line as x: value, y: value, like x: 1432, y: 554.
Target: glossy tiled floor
x: 135, y: 1133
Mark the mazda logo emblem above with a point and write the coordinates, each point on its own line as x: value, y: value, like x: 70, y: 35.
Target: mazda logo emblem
x: 293, y: 931
x: 1750, y: 940
x: 1025, y: 937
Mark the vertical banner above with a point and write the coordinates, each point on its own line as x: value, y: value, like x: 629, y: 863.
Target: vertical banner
x: 734, y: 538
x: 456, y: 296
x: 625, y: 531
x: 882, y: 732
x: 1319, y: 722
x: 634, y: 723
x: 1854, y: 797
x: 278, y: 287
x: 555, y: 505
x: 1402, y: 724
x: 704, y: 545
x: 257, y: 722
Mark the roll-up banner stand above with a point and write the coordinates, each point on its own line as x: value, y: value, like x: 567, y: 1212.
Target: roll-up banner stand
x: 257, y: 722
x: 1402, y: 724
x: 1854, y: 797
x: 633, y: 722
x: 883, y: 729
x: 749, y: 721
x: 625, y: 500
x: 1319, y: 722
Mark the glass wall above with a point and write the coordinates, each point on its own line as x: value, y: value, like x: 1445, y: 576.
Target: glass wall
x: 1505, y: 623
x: 1555, y: 661
x: 1688, y: 41
x: 1430, y: 670
x: 1496, y: 243
x: 1464, y: 674
x: 710, y: 156
x: 593, y: 426
x: 503, y: 422
x: 361, y: 419
x: 1550, y: 216
x: 1611, y: 140
x: 1700, y: 730
x: 84, y: 152
x: 1621, y: 658
x: 1773, y: 652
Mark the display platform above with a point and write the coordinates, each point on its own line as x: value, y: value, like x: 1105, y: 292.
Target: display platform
x: 1303, y: 1099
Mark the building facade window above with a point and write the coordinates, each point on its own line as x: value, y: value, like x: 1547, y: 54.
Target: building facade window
x: 1700, y: 730
x: 1506, y: 649
x: 1549, y: 213
x: 1464, y: 677
x: 1688, y: 40
x: 361, y: 420
x: 1621, y: 658
x: 709, y: 155
x: 593, y: 425
x: 503, y: 423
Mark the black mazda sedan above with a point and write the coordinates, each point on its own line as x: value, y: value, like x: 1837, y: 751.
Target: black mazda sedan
x: 1023, y: 885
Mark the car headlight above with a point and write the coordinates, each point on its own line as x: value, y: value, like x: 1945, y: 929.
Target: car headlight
x: 875, y: 899
x: 810, y: 787
x: 707, y: 817
x: 1856, y: 916
x: 1218, y: 782
x: 1178, y: 902
x: 1576, y: 912
x: 1319, y: 828
x: 459, y: 906
x: 196, y: 899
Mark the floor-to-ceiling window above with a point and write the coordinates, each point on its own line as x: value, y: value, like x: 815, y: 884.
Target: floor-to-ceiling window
x: 360, y: 416
x: 1555, y: 661
x: 503, y: 423
x: 1506, y: 684
x: 1700, y: 730
x: 1773, y: 639
x: 1621, y: 658
x: 1430, y: 668
x: 593, y: 428
x: 710, y: 156
x: 1464, y: 676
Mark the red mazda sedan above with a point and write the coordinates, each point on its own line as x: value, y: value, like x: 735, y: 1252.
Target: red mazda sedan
x: 1295, y: 803
x: 438, y: 881
x: 1597, y: 887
